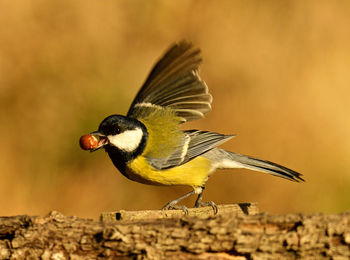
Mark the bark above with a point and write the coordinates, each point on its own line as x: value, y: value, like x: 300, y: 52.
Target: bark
x: 203, y: 212
x: 223, y: 236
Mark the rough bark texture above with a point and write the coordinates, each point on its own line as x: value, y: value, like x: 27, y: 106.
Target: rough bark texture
x: 226, y: 236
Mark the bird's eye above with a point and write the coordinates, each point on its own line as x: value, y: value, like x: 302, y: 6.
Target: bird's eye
x: 117, y: 130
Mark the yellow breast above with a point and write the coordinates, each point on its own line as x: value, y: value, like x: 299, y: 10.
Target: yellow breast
x: 193, y: 173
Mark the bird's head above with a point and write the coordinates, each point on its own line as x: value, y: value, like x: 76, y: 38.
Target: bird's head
x: 120, y: 132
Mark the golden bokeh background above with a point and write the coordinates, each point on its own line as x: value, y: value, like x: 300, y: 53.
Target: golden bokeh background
x: 279, y: 72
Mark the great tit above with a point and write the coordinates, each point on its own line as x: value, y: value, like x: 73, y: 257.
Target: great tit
x: 147, y: 145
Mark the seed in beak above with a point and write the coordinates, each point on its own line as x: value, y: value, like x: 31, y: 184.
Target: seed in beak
x: 89, y: 142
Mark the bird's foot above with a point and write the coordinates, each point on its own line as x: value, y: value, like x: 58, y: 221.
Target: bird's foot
x: 174, y: 206
x: 206, y: 204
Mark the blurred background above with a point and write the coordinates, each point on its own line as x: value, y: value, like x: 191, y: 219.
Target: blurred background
x: 278, y: 72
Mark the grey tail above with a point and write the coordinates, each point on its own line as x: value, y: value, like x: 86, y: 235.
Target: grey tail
x: 225, y: 160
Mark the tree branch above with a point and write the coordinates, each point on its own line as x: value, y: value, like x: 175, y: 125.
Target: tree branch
x: 203, y: 212
x: 224, y: 236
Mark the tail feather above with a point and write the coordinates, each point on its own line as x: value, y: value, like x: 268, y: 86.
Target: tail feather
x: 225, y: 160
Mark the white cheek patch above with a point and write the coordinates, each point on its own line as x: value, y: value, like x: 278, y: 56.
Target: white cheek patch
x: 127, y: 141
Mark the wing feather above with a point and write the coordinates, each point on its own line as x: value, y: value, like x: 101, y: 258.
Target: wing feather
x: 174, y: 82
x: 193, y: 144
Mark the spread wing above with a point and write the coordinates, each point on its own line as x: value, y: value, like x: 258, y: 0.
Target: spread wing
x: 172, y: 94
x: 174, y: 83
x: 194, y: 143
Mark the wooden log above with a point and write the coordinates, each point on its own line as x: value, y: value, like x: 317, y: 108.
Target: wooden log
x: 225, y: 236
x: 203, y: 212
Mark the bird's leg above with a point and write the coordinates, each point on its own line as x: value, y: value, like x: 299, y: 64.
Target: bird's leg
x: 172, y: 204
x: 200, y: 203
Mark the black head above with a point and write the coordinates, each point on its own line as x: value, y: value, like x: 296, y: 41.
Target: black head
x: 126, y: 138
x: 117, y: 124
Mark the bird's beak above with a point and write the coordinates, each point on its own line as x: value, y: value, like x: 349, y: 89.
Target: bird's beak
x: 102, y: 140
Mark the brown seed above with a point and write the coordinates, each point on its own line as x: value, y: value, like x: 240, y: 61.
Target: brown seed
x: 88, y: 142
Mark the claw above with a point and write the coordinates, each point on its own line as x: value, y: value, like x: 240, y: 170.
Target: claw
x: 206, y: 204
x: 172, y: 206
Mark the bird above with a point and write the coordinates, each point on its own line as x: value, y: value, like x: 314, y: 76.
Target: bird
x: 147, y: 145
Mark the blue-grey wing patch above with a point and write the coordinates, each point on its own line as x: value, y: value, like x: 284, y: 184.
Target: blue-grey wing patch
x: 193, y: 144
x: 174, y: 82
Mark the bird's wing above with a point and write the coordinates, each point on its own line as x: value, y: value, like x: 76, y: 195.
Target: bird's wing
x: 174, y: 83
x: 193, y: 144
